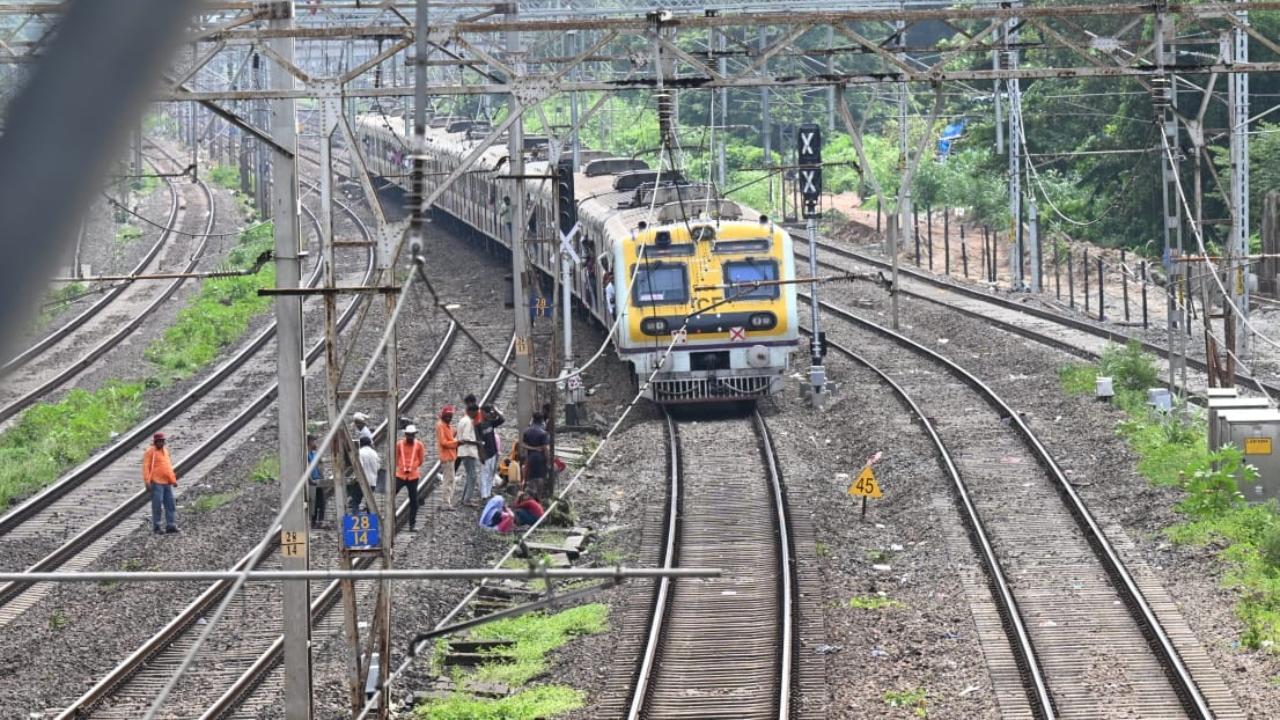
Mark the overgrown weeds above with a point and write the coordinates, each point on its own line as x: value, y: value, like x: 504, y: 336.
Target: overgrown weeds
x: 50, y: 438
x: 220, y: 312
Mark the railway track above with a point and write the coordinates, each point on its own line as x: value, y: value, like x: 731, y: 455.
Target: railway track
x: 1085, y: 637
x: 245, y: 651
x: 1079, y: 336
x: 65, y: 353
x: 72, y: 522
x: 722, y: 648
x: 44, y: 344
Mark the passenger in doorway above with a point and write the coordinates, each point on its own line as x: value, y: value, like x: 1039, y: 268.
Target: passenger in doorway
x: 527, y: 510
x: 371, y: 466
x: 316, y: 482
x: 469, y: 455
x: 447, y: 451
x: 504, y: 217
x: 490, y: 447
x: 536, y: 446
x: 160, y: 479
x: 610, y: 295
x: 410, y: 454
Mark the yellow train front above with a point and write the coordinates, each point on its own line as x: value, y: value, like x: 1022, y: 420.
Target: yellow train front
x: 718, y: 289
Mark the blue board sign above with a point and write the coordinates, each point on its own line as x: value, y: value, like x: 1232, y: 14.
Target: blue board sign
x: 361, y: 531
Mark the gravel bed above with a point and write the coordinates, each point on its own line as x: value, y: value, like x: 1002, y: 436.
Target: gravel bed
x: 1081, y: 435
x: 928, y: 639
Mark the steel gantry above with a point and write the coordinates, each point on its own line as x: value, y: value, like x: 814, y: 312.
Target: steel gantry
x: 244, y: 64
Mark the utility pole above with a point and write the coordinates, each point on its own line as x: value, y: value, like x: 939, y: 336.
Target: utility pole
x: 519, y: 226
x: 1238, y: 100
x: 723, y: 67
x: 1165, y: 89
x: 766, y: 125
x: 904, y: 193
x: 294, y: 545
x: 1016, y: 249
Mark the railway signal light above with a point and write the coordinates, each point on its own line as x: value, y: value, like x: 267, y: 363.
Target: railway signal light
x: 809, y: 147
x: 566, y: 204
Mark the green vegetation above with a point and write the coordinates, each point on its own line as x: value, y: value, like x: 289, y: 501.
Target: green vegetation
x: 914, y: 699
x: 58, y: 620
x: 225, y: 176
x: 267, y: 470
x: 1173, y: 453
x: 58, y: 300
x: 534, y: 636
x: 872, y: 602
x: 145, y: 185
x: 546, y: 701
x: 50, y: 438
x: 127, y: 233
x: 220, y: 313
x: 821, y: 549
x: 209, y: 503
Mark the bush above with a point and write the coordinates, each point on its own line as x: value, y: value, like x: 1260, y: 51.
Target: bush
x: 225, y: 176
x: 1129, y: 367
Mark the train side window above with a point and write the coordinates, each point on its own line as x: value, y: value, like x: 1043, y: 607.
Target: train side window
x: 750, y: 271
x: 661, y: 284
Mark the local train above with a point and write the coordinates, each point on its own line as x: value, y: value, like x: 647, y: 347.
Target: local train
x: 674, y: 260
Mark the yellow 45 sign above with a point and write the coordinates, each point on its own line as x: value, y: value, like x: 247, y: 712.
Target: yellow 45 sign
x: 866, y: 485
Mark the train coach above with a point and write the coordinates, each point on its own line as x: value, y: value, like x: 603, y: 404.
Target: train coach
x: 692, y: 285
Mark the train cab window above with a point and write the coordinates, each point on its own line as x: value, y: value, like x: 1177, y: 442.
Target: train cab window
x: 662, y: 284
x: 751, y: 271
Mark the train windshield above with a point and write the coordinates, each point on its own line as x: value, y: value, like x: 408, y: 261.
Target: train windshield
x: 743, y: 272
x: 660, y: 283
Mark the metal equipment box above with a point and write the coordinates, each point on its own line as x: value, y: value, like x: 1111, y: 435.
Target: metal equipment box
x: 1257, y: 433
x: 1231, y: 403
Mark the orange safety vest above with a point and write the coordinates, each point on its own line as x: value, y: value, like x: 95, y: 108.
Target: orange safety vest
x: 409, y: 459
x: 157, y: 467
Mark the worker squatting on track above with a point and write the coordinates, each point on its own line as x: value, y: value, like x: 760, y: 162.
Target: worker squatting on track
x: 159, y: 478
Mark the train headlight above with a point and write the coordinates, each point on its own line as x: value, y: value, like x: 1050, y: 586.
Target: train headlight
x: 762, y: 321
x: 653, y: 326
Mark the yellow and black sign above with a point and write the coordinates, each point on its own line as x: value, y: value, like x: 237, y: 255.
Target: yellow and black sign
x: 866, y: 485
x: 293, y: 544
x: 1257, y: 446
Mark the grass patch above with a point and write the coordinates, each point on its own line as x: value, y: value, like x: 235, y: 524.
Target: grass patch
x: 872, y: 602
x: 220, y: 313
x: 50, y: 438
x: 267, y: 470
x: 59, y: 300
x: 535, y: 635
x: 58, y: 620
x: 546, y: 701
x: 914, y: 699
x: 821, y: 549
x: 127, y: 233
x: 209, y: 503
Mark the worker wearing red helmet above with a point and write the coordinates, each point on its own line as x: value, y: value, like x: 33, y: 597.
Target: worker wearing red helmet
x: 159, y: 478
x: 447, y: 449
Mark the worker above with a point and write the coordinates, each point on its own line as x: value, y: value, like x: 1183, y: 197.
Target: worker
x: 315, y: 481
x: 469, y: 455
x: 371, y: 465
x: 447, y: 450
x: 361, y: 421
x: 159, y: 478
x: 410, y: 453
x: 536, y: 447
x: 490, y: 447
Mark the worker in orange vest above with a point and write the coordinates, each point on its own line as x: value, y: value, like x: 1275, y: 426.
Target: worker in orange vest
x: 410, y: 452
x: 160, y: 479
x: 447, y: 449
